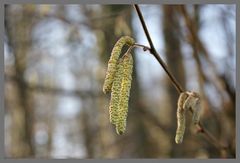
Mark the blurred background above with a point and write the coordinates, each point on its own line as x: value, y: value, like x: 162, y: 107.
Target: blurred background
x: 55, y: 62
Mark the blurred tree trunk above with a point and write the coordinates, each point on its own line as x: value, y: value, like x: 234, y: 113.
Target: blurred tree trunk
x: 110, y: 34
x: 145, y: 147
x: 175, y: 64
x: 105, y: 139
x: 114, y: 28
x: 87, y: 133
x: 19, y: 23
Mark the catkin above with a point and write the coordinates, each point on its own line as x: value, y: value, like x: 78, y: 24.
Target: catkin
x: 181, y: 122
x: 125, y: 93
x: 193, y: 101
x: 196, y: 113
x: 112, y: 63
x: 190, y: 101
x: 116, y: 92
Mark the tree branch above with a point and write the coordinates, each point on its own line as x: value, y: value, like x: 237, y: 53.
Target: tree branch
x: 201, y: 129
x: 154, y: 52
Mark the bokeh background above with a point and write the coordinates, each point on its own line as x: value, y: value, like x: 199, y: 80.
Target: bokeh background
x: 55, y: 62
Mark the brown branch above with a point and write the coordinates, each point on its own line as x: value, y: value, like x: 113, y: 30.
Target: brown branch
x: 142, y: 46
x: 154, y: 52
x: 209, y: 136
x: 212, y: 139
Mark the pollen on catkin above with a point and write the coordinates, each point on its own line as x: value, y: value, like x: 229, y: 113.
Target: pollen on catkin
x: 181, y: 122
x: 116, y: 92
x: 112, y: 63
x: 125, y: 93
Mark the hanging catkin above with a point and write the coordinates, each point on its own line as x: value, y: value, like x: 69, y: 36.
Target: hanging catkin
x: 116, y: 93
x: 196, y: 112
x: 193, y: 102
x: 181, y: 122
x: 112, y: 63
x: 125, y: 93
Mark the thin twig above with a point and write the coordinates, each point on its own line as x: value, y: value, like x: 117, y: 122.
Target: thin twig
x: 208, y: 135
x: 154, y: 52
x: 129, y: 49
x: 142, y: 46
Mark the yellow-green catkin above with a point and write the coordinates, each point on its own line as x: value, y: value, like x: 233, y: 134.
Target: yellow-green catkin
x: 181, y: 122
x: 116, y: 92
x: 125, y: 93
x: 112, y: 63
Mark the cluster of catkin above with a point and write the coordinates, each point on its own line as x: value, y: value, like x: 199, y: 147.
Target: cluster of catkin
x: 118, y: 81
x: 186, y: 101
